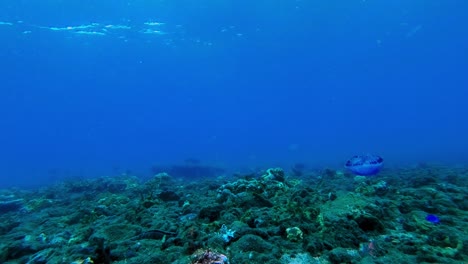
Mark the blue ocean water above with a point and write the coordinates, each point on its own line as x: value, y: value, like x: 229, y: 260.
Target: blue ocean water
x: 92, y: 88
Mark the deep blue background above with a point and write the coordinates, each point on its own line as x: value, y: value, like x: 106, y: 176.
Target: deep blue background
x: 238, y: 84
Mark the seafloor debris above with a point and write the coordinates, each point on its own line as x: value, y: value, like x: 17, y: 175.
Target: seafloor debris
x: 209, y: 257
x: 405, y: 215
x: 10, y: 204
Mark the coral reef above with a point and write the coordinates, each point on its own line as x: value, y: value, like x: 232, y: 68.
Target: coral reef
x: 404, y: 215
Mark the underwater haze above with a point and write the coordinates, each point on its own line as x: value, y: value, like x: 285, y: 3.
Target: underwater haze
x: 93, y: 88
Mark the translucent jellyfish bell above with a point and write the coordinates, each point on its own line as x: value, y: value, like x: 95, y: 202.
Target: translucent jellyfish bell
x: 365, y: 165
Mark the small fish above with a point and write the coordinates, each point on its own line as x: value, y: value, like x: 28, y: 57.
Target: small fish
x: 154, y: 23
x: 433, y: 218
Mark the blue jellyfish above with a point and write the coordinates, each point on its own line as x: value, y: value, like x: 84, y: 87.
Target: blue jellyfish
x: 364, y: 165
